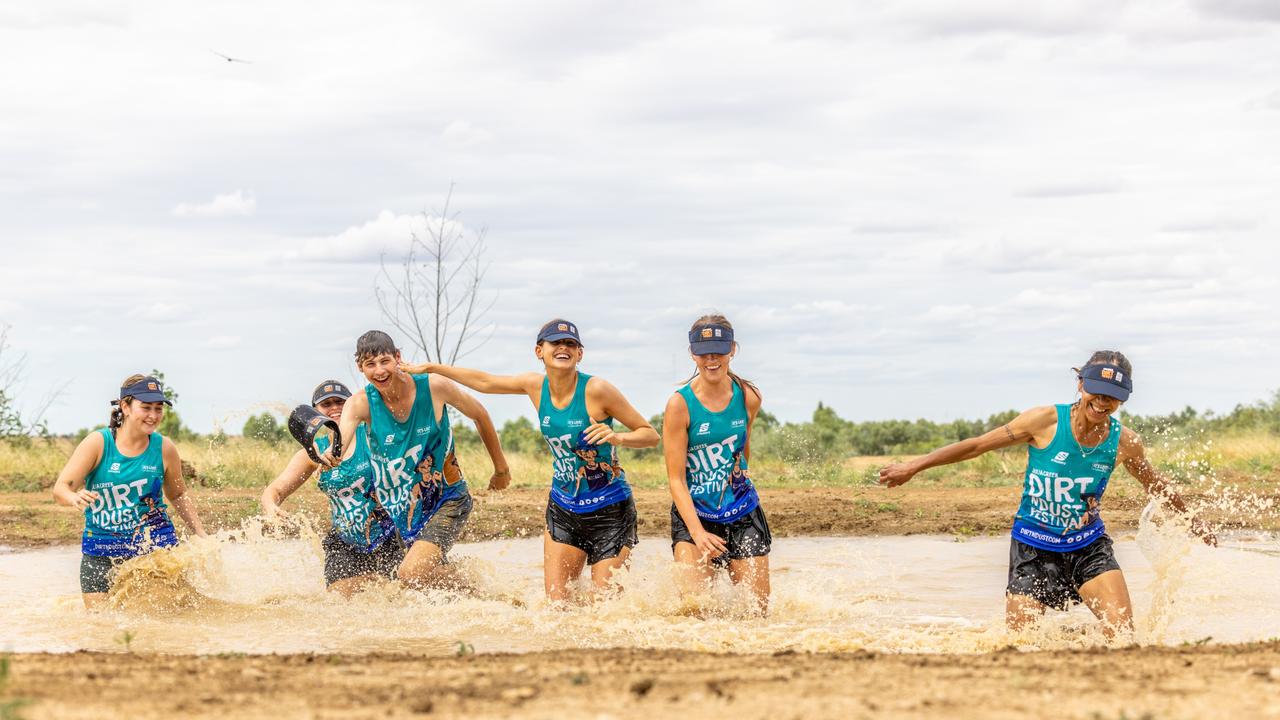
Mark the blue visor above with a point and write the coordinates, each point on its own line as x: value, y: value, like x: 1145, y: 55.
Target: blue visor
x: 148, y: 389
x: 711, y: 340
x: 559, y: 330
x: 1107, y: 380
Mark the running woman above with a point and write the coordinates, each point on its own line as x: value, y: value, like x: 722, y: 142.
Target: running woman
x: 716, y: 518
x: 120, y: 476
x: 410, y: 442
x: 362, y: 545
x: 1060, y: 552
x: 591, y: 517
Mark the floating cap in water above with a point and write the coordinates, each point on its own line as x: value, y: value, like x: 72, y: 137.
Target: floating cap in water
x: 559, y: 330
x: 305, y: 422
x: 714, y: 339
x: 148, y: 389
x: 1109, y: 380
x: 329, y: 389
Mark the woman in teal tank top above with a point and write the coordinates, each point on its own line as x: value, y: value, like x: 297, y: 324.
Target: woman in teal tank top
x: 1060, y: 553
x: 716, y: 518
x: 591, y: 518
x: 362, y: 545
x: 121, y: 476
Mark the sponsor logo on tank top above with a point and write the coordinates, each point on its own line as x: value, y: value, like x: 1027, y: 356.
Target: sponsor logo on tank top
x: 546, y: 419
x: 704, y: 429
x: 1061, y: 458
x: 115, y: 468
x: 576, y: 423
x: 390, y: 439
x: 1102, y: 467
x: 738, y: 423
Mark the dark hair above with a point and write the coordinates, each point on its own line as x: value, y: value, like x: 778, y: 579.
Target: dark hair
x: 718, y: 319
x: 117, y: 413
x: 373, y: 344
x: 1109, y: 357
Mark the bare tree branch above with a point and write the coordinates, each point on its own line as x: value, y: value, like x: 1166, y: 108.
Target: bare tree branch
x: 434, y: 294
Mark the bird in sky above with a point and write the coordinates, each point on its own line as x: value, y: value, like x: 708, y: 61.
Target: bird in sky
x: 228, y: 58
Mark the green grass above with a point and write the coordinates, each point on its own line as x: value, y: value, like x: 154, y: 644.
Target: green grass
x: 1250, y: 458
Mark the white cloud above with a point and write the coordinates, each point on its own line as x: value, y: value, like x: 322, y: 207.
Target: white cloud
x: 463, y: 133
x: 162, y: 312
x: 223, y: 342
x: 230, y: 204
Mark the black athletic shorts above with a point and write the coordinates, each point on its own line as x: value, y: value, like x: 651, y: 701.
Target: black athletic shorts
x: 342, y: 561
x: 745, y: 537
x: 95, y: 572
x: 444, y: 527
x: 1054, y: 578
x: 601, y: 534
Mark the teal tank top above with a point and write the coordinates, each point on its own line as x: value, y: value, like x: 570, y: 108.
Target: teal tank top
x: 584, y: 477
x: 129, y: 517
x: 357, y: 518
x: 715, y: 468
x: 415, y: 470
x: 1062, y: 489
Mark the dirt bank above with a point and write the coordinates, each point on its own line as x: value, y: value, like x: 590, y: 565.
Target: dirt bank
x: 1227, y: 681
x: 31, y: 519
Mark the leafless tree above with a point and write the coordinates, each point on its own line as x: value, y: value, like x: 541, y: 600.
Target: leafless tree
x: 432, y: 294
x: 13, y: 422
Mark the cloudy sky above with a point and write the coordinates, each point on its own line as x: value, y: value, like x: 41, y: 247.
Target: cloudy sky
x: 907, y: 209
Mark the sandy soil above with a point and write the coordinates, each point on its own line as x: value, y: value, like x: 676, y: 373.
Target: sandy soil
x: 32, y: 520
x: 1236, y: 681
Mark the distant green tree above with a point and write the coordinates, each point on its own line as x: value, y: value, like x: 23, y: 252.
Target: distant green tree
x: 519, y: 435
x: 265, y: 427
x: 171, y: 424
x: 465, y: 436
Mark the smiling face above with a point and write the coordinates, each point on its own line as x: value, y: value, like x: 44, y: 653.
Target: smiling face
x: 332, y: 407
x: 713, y: 367
x: 559, y: 354
x: 380, y: 369
x: 1097, y: 408
x: 146, y: 414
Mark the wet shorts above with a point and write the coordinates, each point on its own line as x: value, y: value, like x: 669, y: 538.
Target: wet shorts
x: 95, y: 572
x: 1054, y: 578
x: 601, y: 534
x: 745, y: 537
x: 444, y: 527
x: 342, y: 561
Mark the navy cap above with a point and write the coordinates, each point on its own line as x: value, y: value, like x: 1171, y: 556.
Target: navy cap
x: 714, y: 339
x: 559, y: 330
x: 1109, y: 380
x: 148, y: 389
x: 329, y: 389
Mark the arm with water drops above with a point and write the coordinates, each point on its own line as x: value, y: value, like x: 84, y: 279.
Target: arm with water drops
x: 446, y: 391
x: 175, y: 489
x: 1133, y: 455
x: 610, y: 402
x: 69, y: 488
x: 1019, y: 431
x: 354, y: 412
x: 675, y: 450
x: 295, y: 474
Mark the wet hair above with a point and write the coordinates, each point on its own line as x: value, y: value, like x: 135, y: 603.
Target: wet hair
x: 718, y: 319
x: 373, y: 344
x: 1108, y: 357
x: 117, y: 413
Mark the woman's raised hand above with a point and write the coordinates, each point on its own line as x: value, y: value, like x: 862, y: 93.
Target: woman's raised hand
x: 896, y: 474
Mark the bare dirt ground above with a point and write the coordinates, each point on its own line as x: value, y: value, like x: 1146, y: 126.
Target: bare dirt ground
x: 1232, y: 681
x: 32, y: 520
